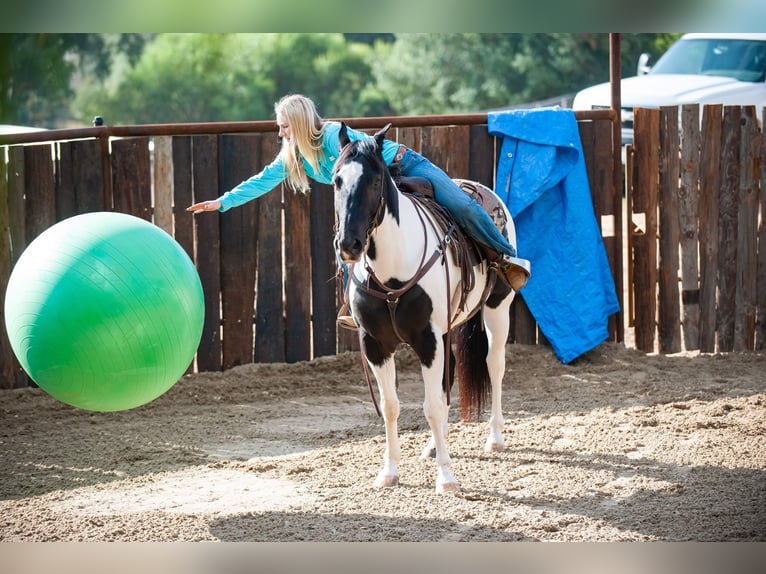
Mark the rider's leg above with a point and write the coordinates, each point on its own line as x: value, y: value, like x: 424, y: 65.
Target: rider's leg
x: 470, y: 215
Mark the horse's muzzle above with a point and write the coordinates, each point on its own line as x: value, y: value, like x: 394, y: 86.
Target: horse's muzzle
x: 350, y: 250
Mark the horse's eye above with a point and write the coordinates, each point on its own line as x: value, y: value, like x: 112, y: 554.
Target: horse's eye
x: 337, y: 181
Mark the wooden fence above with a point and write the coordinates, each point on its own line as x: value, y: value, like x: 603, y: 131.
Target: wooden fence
x: 696, y: 181
x: 267, y: 268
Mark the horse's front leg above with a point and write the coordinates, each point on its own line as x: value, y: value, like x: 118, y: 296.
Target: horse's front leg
x: 385, y: 374
x: 436, y: 412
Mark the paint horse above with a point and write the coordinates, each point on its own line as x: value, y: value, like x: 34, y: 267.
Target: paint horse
x: 408, y: 286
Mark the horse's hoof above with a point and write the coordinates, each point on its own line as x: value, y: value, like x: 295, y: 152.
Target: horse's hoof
x: 494, y: 447
x: 447, y: 487
x: 386, y: 481
x: 428, y: 452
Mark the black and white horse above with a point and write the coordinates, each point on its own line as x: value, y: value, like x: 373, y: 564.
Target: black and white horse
x: 406, y: 287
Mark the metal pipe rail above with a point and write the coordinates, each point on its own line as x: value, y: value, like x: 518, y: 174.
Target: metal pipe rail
x: 259, y: 126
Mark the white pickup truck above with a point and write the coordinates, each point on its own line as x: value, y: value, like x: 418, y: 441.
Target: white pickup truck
x: 727, y: 69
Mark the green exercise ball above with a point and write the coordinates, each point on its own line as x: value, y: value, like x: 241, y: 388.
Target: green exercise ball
x: 104, y: 311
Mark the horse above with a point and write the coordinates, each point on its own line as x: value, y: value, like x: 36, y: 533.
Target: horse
x: 405, y: 285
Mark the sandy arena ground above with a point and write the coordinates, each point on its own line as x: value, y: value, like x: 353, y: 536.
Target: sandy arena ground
x: 617, y: 446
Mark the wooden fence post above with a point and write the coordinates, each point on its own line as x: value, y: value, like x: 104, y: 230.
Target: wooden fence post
x: 163, y: 183
x: 747, y: 234
x: 760, y: 334
x: 208, y: 255
x: 238, y: 158
x: 269, y: 315
x: 688, y: 203
x: 669, y: 317
x: 710, y: 183
x: 644, y: 203
x: 728, y: 218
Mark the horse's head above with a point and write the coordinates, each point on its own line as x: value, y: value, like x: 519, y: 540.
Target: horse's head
x: 362, y: 187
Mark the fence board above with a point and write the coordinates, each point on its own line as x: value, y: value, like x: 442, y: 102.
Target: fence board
x: 688, y: 205
x: 163, y: 183
x: 524, y: 324
x: 599, y: 167
x: 39, y: 177
x: 269, y: 313
x: 710, y: 182
x: 644, y: 241
x: 409, y: 137
x: 80, y: 178
x: 728, y: 216
x: 669, y: 317
x: 747, y: 234
x: 208, y: 257
x: 183, y: 221
x: 481, y: 156
x: 323, y: 267
x: 16, y: 206
x: 239, y: 158
x: 760, y: 333
x: 8, y: 364
x: 457, y: 143
x: 66, y: 200
x: 432, y: 146
x: 131, y: 177
x: 298, y: 275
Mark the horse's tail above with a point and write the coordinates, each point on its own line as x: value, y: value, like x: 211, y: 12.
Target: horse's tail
x: 474, y: 383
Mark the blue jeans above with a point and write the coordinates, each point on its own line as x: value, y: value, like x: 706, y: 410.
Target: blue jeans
x: 468, y: 214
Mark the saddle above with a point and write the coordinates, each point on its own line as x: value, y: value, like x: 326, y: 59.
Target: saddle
x: 475, y: 250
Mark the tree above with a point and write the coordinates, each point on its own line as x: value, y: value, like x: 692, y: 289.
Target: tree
x: 230, y: 77
x: 37, y: 71
x: 450, y: 73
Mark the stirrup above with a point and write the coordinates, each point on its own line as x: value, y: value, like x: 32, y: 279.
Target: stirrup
x: 347, y: 322
x: 514, y: 271
x: 345, y: 319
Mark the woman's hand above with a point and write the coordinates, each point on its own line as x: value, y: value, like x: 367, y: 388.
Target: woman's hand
x: 202, y: 206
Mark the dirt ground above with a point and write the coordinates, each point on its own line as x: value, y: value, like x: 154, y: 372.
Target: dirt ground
x: 619, y: 445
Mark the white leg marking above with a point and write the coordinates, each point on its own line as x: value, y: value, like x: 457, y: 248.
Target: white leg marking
x: 436, y: 411
x: 389, y: 406
x: 496, y: 323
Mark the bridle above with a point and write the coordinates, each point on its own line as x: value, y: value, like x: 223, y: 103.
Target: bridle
x: 393, y: 296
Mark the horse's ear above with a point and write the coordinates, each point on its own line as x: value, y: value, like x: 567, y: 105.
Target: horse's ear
x: 381, y: 135
x: 343, y: 135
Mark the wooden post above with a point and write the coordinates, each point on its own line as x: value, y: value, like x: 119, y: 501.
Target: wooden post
x: 760, y: 333
x: 747, y: 234
x: 647, y: 134
x: 239, y: 158
x: 163, y: 183
x: 728, y: 219
x: 688, y: 203
x: 208, y: 255
x: 669, y: 316
x: 710, y: 182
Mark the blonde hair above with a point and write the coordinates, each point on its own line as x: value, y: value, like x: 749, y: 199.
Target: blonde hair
x: 307, y: 128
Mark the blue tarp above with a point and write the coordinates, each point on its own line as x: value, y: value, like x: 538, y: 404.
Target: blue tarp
x: 542, y: 179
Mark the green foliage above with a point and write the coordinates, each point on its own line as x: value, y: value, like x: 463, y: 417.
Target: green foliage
x: 49, y: 79
x: 36, y: 71
x: 451, y: 73
x: 230, y: 77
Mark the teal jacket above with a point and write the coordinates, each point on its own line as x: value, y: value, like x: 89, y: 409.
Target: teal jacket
x: 275, y: 173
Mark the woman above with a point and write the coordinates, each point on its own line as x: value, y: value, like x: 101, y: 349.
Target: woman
x: 310, y: 148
